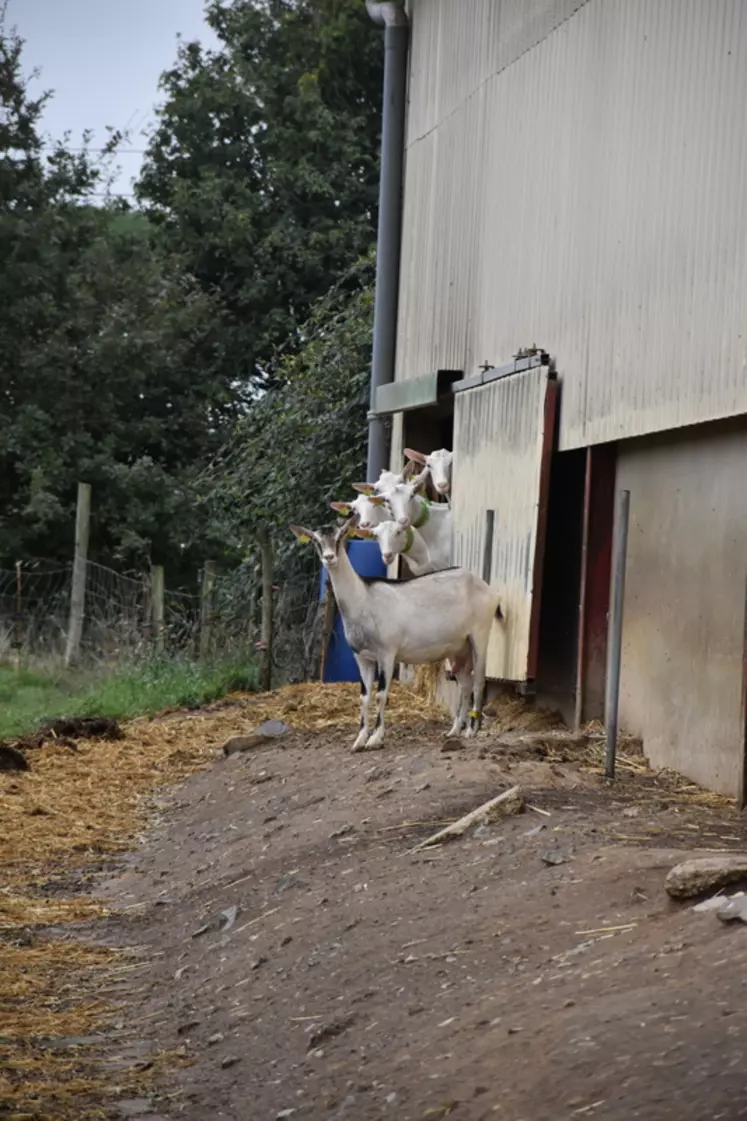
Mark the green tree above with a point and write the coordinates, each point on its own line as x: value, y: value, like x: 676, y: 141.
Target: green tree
x: 304, y: 440
x: 111, y: 361
x: 263, y: 168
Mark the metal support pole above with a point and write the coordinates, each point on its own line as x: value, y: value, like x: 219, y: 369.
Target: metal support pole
x: 614, y: 633
x: 396, y: 33
x: 487, y: 547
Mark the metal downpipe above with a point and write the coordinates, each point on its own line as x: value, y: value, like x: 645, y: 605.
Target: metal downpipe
x: 388, y: 241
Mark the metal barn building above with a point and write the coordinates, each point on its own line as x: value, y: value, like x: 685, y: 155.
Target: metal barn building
x: 575, y: 185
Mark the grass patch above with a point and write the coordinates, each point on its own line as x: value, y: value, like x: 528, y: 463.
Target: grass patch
x: 29, y: 695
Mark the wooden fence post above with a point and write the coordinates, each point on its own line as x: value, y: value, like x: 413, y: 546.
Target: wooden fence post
x: 207, y: 607
x: 266, y: 673
x: 80, y: 563
x: 16, y: 634
x: 328, y: 621
x: 157, y: 585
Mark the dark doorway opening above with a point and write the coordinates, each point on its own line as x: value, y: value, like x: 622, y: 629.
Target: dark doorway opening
x: 561, y: 581
x: 429, y: 428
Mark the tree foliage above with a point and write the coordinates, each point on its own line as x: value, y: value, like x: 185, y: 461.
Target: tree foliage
x: 110, y: 357
x: 135, y: 344
x: 304, y: 441
x: 263, y: 168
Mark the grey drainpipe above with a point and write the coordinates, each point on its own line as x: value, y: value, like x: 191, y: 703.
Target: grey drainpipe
x: 396, y: 34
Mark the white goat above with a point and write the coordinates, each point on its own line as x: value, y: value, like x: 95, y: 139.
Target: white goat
x: 433, y: 520
x: 385, y: 480
x: 443, y: 615
x: 439, y: 464
x: 395, y: 539
x: 370, y: 510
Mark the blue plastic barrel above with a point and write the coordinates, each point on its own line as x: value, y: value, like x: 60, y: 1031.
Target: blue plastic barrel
x: 339, y: 664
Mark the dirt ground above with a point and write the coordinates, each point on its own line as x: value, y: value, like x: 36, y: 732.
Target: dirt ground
x: 479, y: 980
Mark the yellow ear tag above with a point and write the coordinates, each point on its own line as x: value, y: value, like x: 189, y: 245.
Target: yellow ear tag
x: 304, y: 539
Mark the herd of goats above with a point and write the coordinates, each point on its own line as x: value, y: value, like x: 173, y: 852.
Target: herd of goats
x: 442, y: 614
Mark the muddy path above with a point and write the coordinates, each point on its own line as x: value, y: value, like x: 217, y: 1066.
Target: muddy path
x: 313, y: 968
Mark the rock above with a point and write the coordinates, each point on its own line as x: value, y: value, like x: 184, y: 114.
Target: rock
x: 217, y: 1037
x: 535, y: 831
x: 712, y: 904
x: 135, y: 1107
x: 63, y: 1042
x: 343, y: 831
x: 228, y: 918
x: 320, y: 1032
x: 375, y: 773
x: 707, y: 873
x: 229, y: 1061
x: 264, y: 733
x: 734, y: 909
x: 452, y: 743
x: 554, y: 856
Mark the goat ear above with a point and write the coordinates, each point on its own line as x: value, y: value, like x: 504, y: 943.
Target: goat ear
x: 348, y: 527
x: 408, y: 471
x: 342, y: 508
x: 363, y: 488
x: 363, y: 533
x: 420, y: 480
x: 303, y: 535
x: 377, y: 500
x: 416, y: 457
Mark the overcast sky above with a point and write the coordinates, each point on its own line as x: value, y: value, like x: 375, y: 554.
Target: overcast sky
x: 103, y: 59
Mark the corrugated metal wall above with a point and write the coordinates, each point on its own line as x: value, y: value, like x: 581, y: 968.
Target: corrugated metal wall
x: 576, y: 178
x: 508, y: 415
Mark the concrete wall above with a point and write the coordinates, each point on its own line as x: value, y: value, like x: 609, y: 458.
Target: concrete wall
x: 684, y: 603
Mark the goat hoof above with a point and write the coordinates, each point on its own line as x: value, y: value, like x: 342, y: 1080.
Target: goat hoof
x: 361, y: 743
x: 376, y: 739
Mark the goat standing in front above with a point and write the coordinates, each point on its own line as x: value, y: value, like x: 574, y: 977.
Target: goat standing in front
x: 447, y: 614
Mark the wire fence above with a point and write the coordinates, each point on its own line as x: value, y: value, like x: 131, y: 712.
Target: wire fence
x: 119, y: 622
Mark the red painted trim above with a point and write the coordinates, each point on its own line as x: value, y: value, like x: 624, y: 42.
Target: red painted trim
x: 594, y: 593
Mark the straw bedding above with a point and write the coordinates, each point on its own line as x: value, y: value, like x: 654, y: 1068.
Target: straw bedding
x: 77, y: 806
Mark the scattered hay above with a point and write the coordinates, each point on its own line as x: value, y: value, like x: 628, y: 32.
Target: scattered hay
x: 46, y: 1071
x: 75, y: 807
x: 516, y: 714
x: 69, y: 810
x: 314, y: 707
x: 425, y: 682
